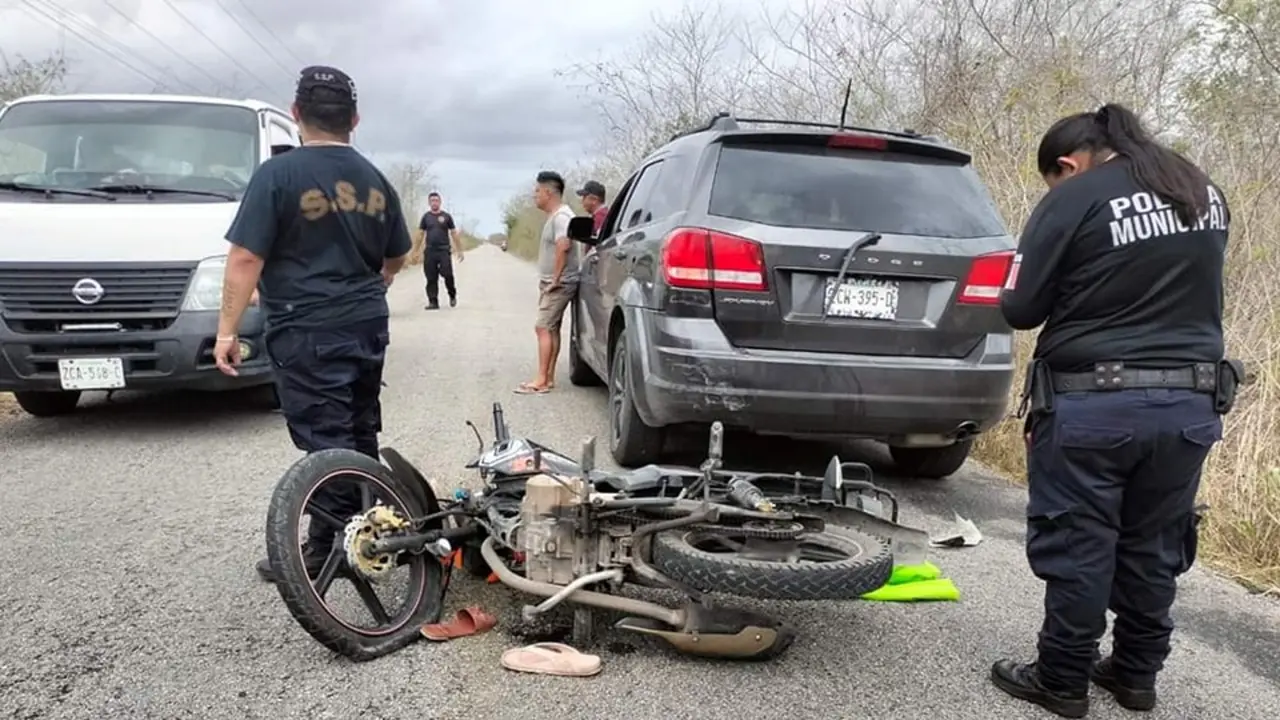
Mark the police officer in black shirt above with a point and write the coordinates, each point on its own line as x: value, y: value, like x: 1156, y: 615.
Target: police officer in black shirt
x: 321, y: 233
x: 439, y: 238
x: 1122, y: 263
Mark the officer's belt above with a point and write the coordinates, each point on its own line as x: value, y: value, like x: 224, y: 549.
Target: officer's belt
x: 1200, y: 377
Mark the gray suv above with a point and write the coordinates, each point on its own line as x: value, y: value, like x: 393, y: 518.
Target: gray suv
x: 799, y: 279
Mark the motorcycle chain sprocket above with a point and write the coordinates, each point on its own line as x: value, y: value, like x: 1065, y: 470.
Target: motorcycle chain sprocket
x: 377, y: 523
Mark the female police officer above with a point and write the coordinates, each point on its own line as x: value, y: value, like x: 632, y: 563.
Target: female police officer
x: 1122, y: 262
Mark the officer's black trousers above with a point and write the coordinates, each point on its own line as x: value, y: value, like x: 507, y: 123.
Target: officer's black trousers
x: 1111, y: 523
x: 438, y: 265
x: 330, y: 386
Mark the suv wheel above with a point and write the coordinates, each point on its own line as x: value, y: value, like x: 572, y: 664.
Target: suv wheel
x: 932, y: 463
x: 48, y: 404
x: 580, y: 373
x: 631, y: 441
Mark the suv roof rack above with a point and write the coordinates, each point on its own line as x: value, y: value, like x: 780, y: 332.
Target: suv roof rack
x: 725, y: 121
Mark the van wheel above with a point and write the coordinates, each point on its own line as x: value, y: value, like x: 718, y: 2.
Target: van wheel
x: 48, y: 404
x: 631, y: 441
x: 932, y: 463
x: 580, y: 373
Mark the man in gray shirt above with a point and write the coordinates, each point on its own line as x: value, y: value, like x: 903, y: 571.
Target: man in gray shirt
x: 558, y: 267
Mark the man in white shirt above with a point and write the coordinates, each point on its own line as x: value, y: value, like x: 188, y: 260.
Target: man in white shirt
x: 558, y: 268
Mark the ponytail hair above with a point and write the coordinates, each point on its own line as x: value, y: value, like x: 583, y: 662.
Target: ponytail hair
x: 1155, y: 167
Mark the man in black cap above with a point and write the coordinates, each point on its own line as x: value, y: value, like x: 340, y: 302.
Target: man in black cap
x: 321, y: 234
x: 592, y: 194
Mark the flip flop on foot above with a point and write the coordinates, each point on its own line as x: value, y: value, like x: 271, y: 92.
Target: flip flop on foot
x: 468, y: 621
x: 550, y: 658
x: 528, y: 388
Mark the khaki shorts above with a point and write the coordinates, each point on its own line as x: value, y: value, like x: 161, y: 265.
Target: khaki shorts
x: 552, y: 304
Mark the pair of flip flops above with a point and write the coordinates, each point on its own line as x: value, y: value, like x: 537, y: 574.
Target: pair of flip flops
x: 551, y: 658
x: 467, y: 621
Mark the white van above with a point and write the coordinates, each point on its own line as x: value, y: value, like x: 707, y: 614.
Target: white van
x: 113, y: 213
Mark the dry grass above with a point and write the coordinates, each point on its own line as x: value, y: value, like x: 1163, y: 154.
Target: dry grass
x: 7, y: 405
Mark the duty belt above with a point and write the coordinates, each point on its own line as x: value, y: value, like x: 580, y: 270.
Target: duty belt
x: 1200, y: 377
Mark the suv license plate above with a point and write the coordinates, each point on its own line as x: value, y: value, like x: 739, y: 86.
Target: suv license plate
x: 863, y: 298
x: 91, y: 374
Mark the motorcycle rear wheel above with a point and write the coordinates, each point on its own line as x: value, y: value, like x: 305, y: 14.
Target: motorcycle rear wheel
x: 305, y: 601
x: 842, y: 566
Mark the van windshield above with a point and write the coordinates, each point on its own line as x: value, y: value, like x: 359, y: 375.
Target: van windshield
x: 81, y: 144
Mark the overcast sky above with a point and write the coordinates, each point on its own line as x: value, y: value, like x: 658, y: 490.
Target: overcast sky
x: 467, y: 84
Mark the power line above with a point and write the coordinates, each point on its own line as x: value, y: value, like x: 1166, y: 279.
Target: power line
x: 69, y: 21
x: 261, y: 83
x: 162, y: 43
x: 288, y: 73
x: 271, y: 32
x: 30, y: 7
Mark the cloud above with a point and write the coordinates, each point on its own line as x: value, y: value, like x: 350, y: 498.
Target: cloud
x: 471, y: 86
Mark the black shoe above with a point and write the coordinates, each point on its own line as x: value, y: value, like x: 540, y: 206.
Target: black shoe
x: 433, y: 306
x: 453, y: 302
x: 1023, y: 682
x: 1129, y: 698
x: 313, y: 559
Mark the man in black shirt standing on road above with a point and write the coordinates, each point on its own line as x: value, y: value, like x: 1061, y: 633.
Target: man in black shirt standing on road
x: 1122, y: 263
x: 440, y: 241
x: 321, y: 233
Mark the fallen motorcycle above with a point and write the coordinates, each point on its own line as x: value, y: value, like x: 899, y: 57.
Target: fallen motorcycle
x: 564, y: 531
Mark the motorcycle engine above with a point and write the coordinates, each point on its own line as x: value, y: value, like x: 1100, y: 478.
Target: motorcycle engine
x: 546, y: 530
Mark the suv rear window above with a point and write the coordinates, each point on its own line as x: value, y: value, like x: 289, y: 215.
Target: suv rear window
x: 839, y: 189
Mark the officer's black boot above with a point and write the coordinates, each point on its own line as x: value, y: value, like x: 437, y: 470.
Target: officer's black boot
x: 453, y: 301
x: 1022, y: 680
x: 312, y: 557
x: 1129, y: 697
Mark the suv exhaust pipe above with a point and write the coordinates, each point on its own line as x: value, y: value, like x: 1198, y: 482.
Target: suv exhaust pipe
x: 964, y: 431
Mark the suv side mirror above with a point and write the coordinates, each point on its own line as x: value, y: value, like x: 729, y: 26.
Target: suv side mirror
x: 582, y: 229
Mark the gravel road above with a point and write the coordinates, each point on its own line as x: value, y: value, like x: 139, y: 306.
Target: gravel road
x: 129, y: 589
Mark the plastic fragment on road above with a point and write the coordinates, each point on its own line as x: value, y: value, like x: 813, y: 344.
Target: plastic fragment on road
x: 916, y: 583
x: 963, y: 534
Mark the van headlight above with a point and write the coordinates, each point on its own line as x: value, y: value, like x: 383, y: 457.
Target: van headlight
x: 205, y: 290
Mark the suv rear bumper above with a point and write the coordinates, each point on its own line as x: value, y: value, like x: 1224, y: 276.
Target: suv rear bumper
x: 177, y: 357
x: 691, y: 374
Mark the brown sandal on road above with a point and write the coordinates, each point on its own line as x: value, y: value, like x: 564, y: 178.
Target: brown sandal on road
x: 551, y: 658
x: 468, y: 621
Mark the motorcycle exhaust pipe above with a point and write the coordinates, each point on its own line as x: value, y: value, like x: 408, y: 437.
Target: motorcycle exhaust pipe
x: 630, y: 606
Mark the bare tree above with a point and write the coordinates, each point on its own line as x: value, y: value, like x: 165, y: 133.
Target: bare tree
x: 412, y: 181
x: 21, y: 76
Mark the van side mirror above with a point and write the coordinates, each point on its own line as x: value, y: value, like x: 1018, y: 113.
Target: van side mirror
x: 582, y: 229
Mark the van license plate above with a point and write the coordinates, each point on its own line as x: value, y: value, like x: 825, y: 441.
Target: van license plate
x: 866, y: 298
x: 91, y: 374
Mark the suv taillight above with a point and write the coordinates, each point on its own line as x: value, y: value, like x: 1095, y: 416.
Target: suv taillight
x: 986, y: 278
x: 701, y: 259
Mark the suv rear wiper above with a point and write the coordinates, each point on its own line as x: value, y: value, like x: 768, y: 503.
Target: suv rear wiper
x: 150, y: 189
x: 50, y: 190
x: 870, y: 238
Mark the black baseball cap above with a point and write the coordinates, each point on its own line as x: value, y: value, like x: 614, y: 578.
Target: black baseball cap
x: 321, y: 83
x: 592, y: 187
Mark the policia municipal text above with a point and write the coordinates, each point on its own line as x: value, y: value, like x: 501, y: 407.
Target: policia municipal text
x: 1122, y: 263
x: 320, y: 231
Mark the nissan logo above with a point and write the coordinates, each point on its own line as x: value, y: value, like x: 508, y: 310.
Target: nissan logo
x: 87, y: 291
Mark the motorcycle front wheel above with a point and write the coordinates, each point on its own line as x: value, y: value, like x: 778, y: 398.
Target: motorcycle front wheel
x: 314, y: 597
